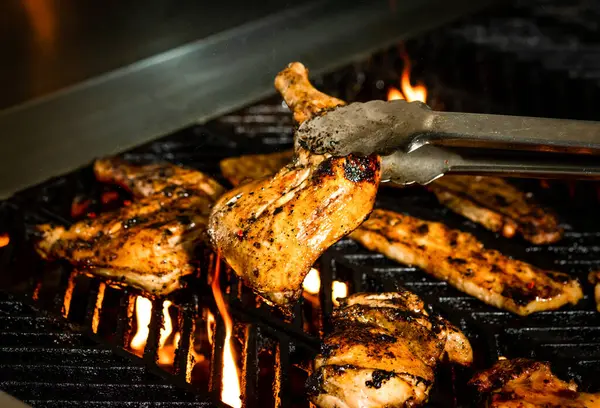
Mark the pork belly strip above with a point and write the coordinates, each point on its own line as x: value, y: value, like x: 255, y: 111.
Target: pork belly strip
x: 383, y: 352
x: 526, y: 383
x: 272, y: 230
x: 498, y: 206
x: 149, y: 244
x: 461, y: 260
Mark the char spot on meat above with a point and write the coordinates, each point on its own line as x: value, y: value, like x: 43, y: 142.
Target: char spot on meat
x: 358, y: 169
x: 378, y: 378
x: 422, y: 229
x: 133, y: 221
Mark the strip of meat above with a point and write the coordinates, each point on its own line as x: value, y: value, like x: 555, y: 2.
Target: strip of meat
x: 594, y: 278
x: 254, y: 166
x: 460, y: 259
x: 383, y: 352
x: 146, y: 180
x: 498, y: 206
x: 271, y: 231
x: 526, y: 383
x: 149, y: 244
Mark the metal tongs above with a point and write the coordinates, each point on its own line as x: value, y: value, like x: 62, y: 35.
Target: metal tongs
x: 418, y: 144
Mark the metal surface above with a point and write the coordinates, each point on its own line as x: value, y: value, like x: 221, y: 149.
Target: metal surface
x: 428, y: 144
x: 197, y: 81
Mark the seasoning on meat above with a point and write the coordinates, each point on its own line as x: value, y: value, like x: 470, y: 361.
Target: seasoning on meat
x: 148, y: 244
x: 526, y: 383
x: 498, y: 206
x: 460, y: 259
x: 254, y: 166
x: 383, y: 352
x: 295, y: 215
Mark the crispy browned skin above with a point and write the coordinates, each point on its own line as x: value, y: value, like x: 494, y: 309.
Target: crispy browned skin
x: 460, y: 259
x: 149, y: 244
x: 254, y: 166
x: 523, y: 383
x: 383, y: 352
x: 498, y: 206
x: 272, y: 230
x: 594, y: 278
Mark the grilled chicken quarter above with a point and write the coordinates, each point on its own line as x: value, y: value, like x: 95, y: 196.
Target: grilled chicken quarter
x: 460, y: 259
x: 383, y: 352
x: 149, y: 244
x: 272, y: 230
x: 523, y: 383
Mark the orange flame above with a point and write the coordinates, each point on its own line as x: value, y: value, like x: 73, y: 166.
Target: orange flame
x: 166, y: 352
x: 4, y: 240
x: 230, y: 389
x: 312, y: 282
x: 409, y: 92
x: 210, y: 321
x: 143, y: 313
x: 339, y: 290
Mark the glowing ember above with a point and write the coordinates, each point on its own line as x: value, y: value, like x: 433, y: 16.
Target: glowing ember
x: 4, y: 240
x: 312, y: 282
x: 409, y: 92
x: 143, y: 312
x: 339, y: 291
x: 230, y: 389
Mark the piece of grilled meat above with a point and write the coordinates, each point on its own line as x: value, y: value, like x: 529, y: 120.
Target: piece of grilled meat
x: 383, y: 352
x: 254, y: 166
x: 523, y: 383
x: 149, y: 244
x: 460, y: 259
x: 594, y: 278
x: 490, y: 201
x: 498, y: 206
x: 271, y: 231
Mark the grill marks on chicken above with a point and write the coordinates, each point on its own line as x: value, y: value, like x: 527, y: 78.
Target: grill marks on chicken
x: 149, y: 244
x: 460, y: 259
x: 498, y: 206
x: 383, y: 352
x: 526, y: 383
x: 271, y: 231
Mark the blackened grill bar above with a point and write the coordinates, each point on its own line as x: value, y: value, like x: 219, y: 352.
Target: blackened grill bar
x: 47, y: 363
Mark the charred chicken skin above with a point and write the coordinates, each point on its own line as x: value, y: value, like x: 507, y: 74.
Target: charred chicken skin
x: 523, y: 383
x: 272, y: 230
x: 498, y: 206
x: 460, y: 259
x: 383, y: 352
x: 149, y: 244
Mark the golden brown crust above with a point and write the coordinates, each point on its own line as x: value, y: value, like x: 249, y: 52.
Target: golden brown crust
x: 149, y: 244
x: 498, y: 206
x: 460, y: 259
x: 299, y: 94
x: 521, y: 383
x: 271, y: 231
x: 254, y: 166
x: 383, y: 351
